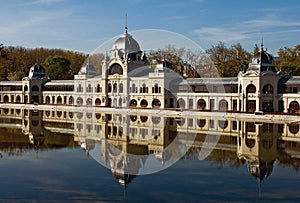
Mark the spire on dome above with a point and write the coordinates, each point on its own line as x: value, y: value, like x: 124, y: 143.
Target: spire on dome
x: 262, y: 42
x: 126, y: 28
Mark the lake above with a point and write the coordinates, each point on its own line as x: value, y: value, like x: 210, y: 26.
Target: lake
x: 82, y: 155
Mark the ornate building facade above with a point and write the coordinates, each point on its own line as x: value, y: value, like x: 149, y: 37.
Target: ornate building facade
x: 127, y: 80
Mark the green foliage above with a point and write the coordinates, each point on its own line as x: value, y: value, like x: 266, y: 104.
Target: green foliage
x: 289, y: 62
x: 57, y: 67
x: 15, y: 62
x: 229, y: 61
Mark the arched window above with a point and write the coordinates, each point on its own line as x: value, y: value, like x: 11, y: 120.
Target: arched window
x: 294, y: 107
x: 223, y: 124
x: 144, y: 103
x: 156, y: 88
x: 79, y: 101
x: 201, y: 104
x: 144, y: 88
x: 47, y: 100
x: 115, y: 69
x: 121, y: 87
x: 109, y: 88
x: 18, y: 99
x: 201, y: 122
x: 98, y: 102
x: 181, y: 103
x: 115, y: 87
x: 267, y: 89
x: 250, y: 89
x: 98, y: 88
x: 133, y: 88
x: 156, y: 103
x: 223, y: 105
x: 133, y: 103
x: 25, y: 88
x: 35, y: 88
x: 59, y: 100
x: 89, y: 102
x: 71, y: 100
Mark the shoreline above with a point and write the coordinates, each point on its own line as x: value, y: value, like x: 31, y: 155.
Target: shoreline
x: 185, y: 113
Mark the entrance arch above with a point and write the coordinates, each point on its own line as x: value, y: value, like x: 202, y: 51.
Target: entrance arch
x: 250, y: 104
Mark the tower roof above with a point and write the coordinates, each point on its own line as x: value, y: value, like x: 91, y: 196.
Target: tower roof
x: 126, y: 43
x: 261, y: 62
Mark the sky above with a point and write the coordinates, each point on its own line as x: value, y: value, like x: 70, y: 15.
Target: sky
x: 84, y: 25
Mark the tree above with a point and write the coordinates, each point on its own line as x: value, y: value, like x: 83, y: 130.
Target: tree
x: 289, y: 62
x: 229, y: 61
x: 57, y: 67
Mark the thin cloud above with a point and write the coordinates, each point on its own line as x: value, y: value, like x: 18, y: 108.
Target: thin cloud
x: 43, y: 2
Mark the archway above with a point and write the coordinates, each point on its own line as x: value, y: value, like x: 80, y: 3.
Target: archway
x: 18, y: 99
x: 89, y: 102
x: 47, y: 100
x: 79, y: 101
x: 144, y: 103
x: 201, y: 104
x: 71, y: 100
x: 59, y: 100
x: 223, y: 105
x: 6, y: 99
x: 98, y: 102
x: 181, y: 103
x: 250, y: 104
x: 133, y: 103
x: 156, y: 103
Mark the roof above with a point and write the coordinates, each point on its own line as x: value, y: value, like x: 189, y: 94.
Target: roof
x: 292, y: 80
x: 14, y: 83
x: 205, y: 81
x: 59, y: 82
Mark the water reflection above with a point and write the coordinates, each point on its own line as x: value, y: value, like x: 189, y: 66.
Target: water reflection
x: 140, y: 143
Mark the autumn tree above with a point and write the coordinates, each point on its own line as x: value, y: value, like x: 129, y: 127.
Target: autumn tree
x: 229, y: 61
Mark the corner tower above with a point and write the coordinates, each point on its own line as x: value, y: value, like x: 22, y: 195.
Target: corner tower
x: 258, y: 85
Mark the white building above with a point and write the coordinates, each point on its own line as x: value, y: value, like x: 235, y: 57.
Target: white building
x: 127, y: 80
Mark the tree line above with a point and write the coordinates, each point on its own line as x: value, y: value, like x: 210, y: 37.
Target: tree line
x: 59, y: 64
x: 63, y: 64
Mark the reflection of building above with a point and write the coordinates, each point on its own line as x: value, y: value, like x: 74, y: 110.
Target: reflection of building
x: 128, y: 80
x: 115, y: 135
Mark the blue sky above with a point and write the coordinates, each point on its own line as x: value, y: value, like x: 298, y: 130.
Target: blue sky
x: 83, y: 25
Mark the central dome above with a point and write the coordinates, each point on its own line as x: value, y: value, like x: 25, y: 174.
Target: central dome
x: 126, y: 44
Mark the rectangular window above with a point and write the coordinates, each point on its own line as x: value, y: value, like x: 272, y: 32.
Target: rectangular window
x: 212, y: 104
x: 191, y: 103
x: 211, y: 123
x: 190, y: 122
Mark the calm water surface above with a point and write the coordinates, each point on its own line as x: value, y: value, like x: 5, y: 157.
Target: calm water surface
x: 47, y: 157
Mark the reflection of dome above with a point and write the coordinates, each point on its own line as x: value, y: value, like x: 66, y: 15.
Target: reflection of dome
x: 124, y: 179
x: 87, y: 69
x: 260, y: 169
x: 262, y: 61
x: 126, y: 43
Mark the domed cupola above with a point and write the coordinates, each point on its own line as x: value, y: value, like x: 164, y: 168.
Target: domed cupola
x: 126, y: 44
x: 261, y: 62
x: 87, y: 69
x: 37, y: 72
